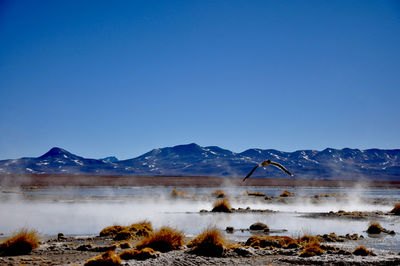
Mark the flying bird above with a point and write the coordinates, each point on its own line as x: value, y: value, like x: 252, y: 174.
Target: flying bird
x: 265, y: 164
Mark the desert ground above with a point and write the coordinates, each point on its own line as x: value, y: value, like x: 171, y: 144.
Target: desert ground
x: 299, y: 221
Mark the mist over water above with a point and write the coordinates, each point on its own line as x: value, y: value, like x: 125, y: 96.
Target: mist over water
x: 86, y: 211
x: 82, y: 217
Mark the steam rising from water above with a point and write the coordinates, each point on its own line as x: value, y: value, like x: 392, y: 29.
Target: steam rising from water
x: 87, y: 217
x: 88, y: 210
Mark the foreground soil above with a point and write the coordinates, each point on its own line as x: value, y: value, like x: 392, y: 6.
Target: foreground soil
x: 75, y: 251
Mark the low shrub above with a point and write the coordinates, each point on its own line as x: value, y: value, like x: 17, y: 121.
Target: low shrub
x: 222, y: 206
x: 108, y: 258
x: 209, y: 243
x: 164, y: 240
x: 21, y: 243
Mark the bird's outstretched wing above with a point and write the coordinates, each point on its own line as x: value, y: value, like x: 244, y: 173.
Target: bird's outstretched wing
x: 251, y: 172
x: 282, y: 168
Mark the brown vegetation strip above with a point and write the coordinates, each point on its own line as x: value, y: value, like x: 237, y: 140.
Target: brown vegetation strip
x: 181, y: 181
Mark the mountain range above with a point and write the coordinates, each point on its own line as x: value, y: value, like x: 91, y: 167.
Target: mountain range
x: 195, y: 160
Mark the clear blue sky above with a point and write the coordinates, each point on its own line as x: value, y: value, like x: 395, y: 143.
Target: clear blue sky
x: 101, y: 78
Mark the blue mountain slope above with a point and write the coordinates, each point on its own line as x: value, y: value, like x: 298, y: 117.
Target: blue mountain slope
x: 192, y: 159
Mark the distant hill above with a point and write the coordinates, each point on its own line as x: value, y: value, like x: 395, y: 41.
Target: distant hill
x: 194, y: 160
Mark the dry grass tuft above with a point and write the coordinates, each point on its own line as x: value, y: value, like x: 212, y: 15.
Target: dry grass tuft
x: 112, y: 230
x: 307, y: 239
x: 108, y: 258
x: 311, y: 246
x: 21, y: 243
x: 374, y: 228
x: 175, y: 193
x: 322, y: 195
x: 311, y: 250
x: 127, y: 232
x: 222, y: 206
x: 332, y: 237
x: 396, y: 209
x: 179, y: 194
x: 218, y: 193
x: 123, y: 235
x: 143, y: 254
x: 327, y: 195
x: 363, y: 251
x: 256, y: 194
x: 141, y: 229
x: 164, y: 240
x: 124, y: 245
x: 286, y: 194
x: 270, y: 242
x: 210, y: 243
